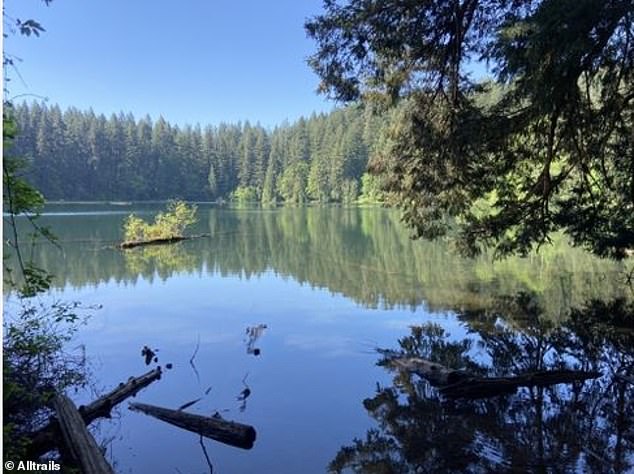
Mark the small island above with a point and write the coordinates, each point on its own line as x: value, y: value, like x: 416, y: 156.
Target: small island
x: 167, y: 228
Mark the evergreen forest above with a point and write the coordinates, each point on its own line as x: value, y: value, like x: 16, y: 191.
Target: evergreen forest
x: 81, y: 155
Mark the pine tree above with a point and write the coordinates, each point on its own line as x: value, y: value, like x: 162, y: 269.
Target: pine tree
x: 262, y: 151
x: 79, y: 155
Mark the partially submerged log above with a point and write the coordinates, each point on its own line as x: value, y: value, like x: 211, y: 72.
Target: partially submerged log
x: 139, y: 243
x: 78, y: 442
x: 46, y: 438
x: 103, y: 405
x: 227, y: 432
x: 129, y: 244
x: 460, y: 384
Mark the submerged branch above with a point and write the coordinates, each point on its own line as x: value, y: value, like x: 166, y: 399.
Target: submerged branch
x: 191, y: 360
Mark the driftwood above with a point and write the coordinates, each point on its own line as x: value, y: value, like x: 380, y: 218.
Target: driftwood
x: 130, y: 244
x: 103, y: 406
x: 78, y: 442
x: 46, y: 438
x: 227, y: 432
x: 461, y: 384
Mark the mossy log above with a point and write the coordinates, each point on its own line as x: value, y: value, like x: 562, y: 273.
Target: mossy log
x: 78, y: 442
x: 461, y: 384
x: 223, y: 431
x: 130, y: 244
x: 46, y: 438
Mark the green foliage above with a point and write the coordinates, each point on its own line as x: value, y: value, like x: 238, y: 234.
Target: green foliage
x: 36, y: 280
x: 171, y: 223
x: 21, y: 198
x: 349, y: 191
x: 73, y: 155
x: 245, y: 194
x: 160, y: 259
x: 318, y: 186
x: 269, y: 196
x: 18, y: 193
x: 371, y: 189
x: 547, y: 140
x: 36, y: 366
x: 134, y: 228
x: 212, y: 181
x: 292, y: 184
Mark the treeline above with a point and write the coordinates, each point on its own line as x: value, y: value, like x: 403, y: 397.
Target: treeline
x: 77, y: 155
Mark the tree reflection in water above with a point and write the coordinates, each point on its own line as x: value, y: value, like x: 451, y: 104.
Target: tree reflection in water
x: 584, y: 426
x: 162, y: 259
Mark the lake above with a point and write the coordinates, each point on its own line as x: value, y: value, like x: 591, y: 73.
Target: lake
x: 275, y: 319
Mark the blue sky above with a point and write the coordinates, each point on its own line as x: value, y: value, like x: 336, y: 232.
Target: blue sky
x: 190, y: 61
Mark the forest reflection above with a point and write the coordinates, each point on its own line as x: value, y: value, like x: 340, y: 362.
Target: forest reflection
x: 579, y: 427
x: 362, y: 253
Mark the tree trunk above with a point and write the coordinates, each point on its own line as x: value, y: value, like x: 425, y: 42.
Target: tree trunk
x: 78, y: 442
x: 227, y: 432
x: 46, y: 438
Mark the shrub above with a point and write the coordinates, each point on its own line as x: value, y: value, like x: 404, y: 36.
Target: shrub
x: 244, y: 194
x: 36, y: 365
x: 171, y: 223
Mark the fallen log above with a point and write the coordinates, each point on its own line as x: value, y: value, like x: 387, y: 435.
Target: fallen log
x: 461, y: 384
x: 227, y: 432
x: 78, y: 442
x: 129, y: 244
x: 103, y: 405
x: 46, y: 438
x: 139, y: 243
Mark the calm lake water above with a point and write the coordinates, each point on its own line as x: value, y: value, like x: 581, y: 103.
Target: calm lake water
x: 331, y: 285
